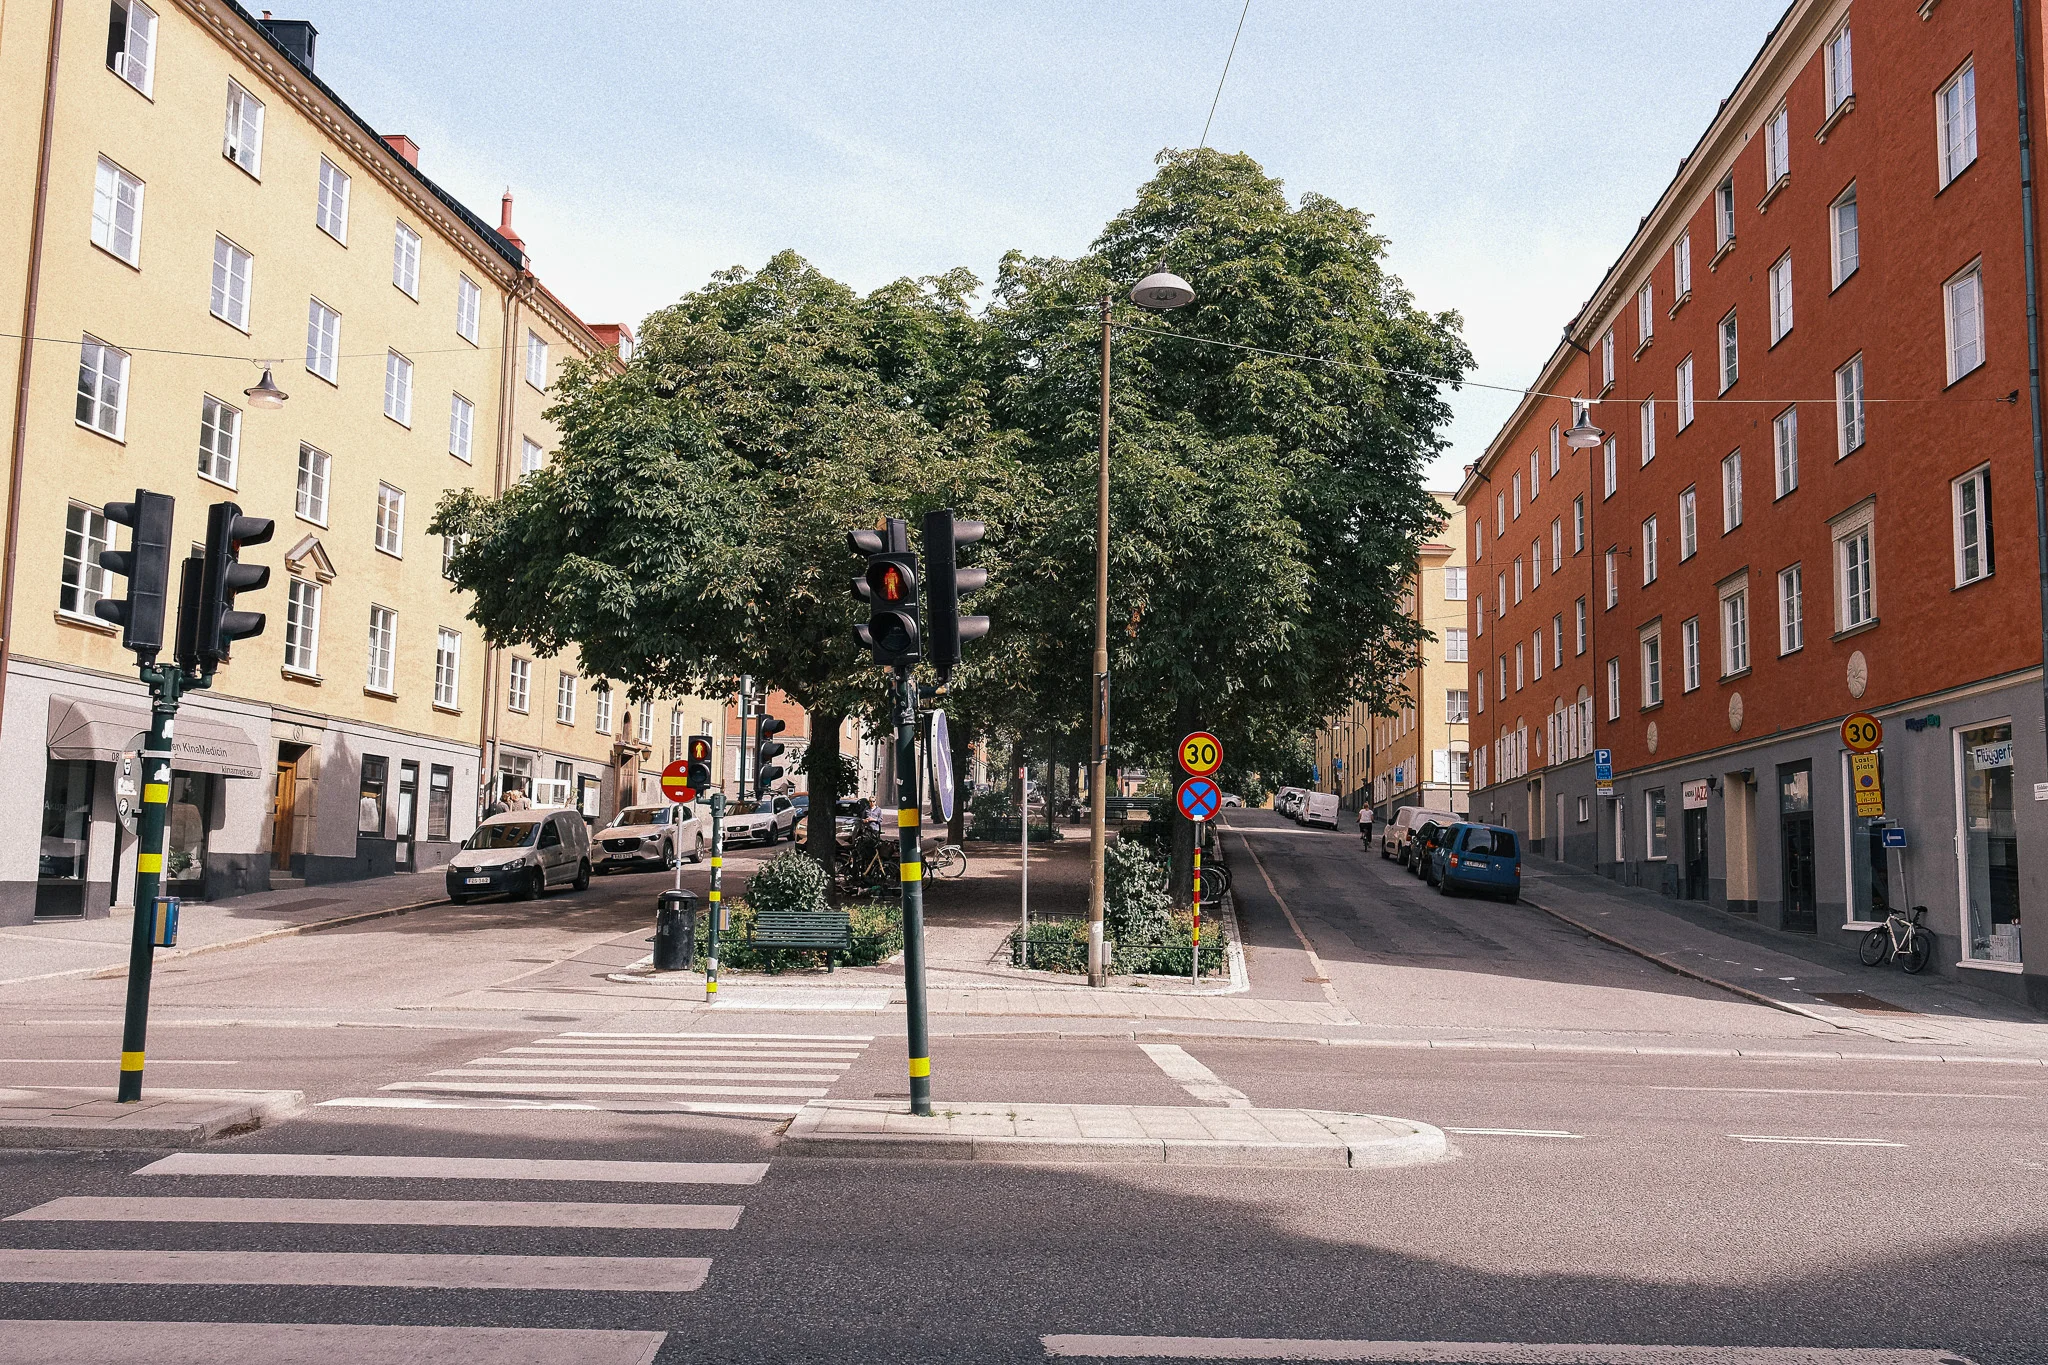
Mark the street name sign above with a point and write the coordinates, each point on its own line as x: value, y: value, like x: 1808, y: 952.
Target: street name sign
x: 1199, y: 798
x: 675, y: 783
x: 1862, y: 733
x: 1201, y: 754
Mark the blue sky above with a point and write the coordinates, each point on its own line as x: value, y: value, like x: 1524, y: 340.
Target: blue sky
x: 1506, y: 148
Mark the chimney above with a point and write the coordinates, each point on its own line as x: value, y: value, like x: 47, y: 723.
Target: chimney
x: 505, y: 229
x: 405, y: 147
x: 296, y: 36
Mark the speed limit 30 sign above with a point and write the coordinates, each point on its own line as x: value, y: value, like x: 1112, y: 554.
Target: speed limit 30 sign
x: 1862, y: 733
x: 1201, y: 754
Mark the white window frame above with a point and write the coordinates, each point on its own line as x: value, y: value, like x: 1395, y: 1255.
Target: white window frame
x: 565, y: 697
x: 531, y: 457
x: 1535, y: 474
x: 1519, y: 676
x: 1684, y: 381
x: 1688, y: 524
x: 468, y: 304
x: 1731, y: 491
x: 1455, y: 583
x: 1650, y: 654
x: 117, y: 212
x: 536, y: 361
x: 1781, y: 297
x: 1791, y: 610
x: 1613, y: 580
x: 1652, y: 798
x: 1735, y: 627
x: 1580, y: 625
x: 1785, y: 450
x: 1724, y: 212
x: 220, y: 440
x: 1557, y: 640
x: 87, y: 532
x: 1838, y: 62
x: 1730, y: 351
x: 1610, y: 473
x: 103, y: 388
x: 1777, y: 148
x: 323, y: 341
x: 1556, y: 544
x: 302, y: 626
x: 1681, y: 269
x: 1457, y: 646
x: 1614, y: 689
x: 1962, y: 312
x: 1535, y: 563
x: 382, y: 652
x: 1479, y: 616
x: 1689, y: 653
x: 1845, y: 236
x: 603, y: 719
x: 135, y: 62
x: 1607, y: 360
x: 405, y: 261
x: 1457, y: 706
x: 1851, y: 429
x: 461, y: 427
x: 398, y: 388
x: 242, y: 142
x: 1855, y: 554
x: 1578, y: 523
x: 1647, y: 425
x: 519, y: 685
x: 1955, y: 123
x: 234, y: 273
x: 1970, y: 505
x: 1536, y: 656
x: 447, y: 668
x: 1516, y: 484
x: 1554, y: 456
x: 644, y: 722
x: 389, y: 535
x: 312, y: 484
x: 1649, y: 549
x: 330, y: 203
x: 1646, y: 314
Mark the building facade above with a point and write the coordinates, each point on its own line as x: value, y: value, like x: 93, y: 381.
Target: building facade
x: 1809, y: 494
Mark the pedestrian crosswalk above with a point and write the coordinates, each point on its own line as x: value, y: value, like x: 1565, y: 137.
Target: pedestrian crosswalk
x: 766, y: 1075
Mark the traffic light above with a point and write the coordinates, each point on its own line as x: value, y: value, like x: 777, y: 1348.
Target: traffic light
x: 889, y: 587
x: 222, y: 576
x: 766, y: 747
x: 146, y: 564
x: 191, y: 570
x: 943, y: 535
x: 699, y: 771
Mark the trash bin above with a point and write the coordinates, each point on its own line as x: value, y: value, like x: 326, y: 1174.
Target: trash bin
x: 675, y: 931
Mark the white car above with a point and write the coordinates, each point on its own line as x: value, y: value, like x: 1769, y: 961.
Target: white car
x: 659, y: 836
x: 761, y: 822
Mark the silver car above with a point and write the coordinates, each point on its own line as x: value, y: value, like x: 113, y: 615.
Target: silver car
x: 657, y: 836
x: 762, y: 822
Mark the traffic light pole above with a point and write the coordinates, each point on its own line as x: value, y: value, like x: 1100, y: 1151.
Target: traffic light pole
x: 714, y: 894
x: 166, y: 685
x: 910, y: 871
x: 1098, y: 770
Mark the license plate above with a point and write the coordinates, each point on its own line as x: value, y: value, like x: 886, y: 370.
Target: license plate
x: 476, y: 881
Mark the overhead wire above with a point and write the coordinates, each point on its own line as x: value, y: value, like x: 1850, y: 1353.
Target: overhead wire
x: 1226, y: 73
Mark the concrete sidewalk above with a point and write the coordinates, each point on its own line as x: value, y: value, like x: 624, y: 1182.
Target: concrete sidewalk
x: 1821, y: 981
x: 48, y: 1116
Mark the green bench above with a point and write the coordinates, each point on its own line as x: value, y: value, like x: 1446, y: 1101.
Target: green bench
x: 827, y: 929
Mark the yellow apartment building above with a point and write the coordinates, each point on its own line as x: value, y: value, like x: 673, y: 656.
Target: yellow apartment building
x: 191, y: 200
x: 1421, y: 756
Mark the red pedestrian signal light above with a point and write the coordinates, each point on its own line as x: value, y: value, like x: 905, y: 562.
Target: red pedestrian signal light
x: 891, y: 587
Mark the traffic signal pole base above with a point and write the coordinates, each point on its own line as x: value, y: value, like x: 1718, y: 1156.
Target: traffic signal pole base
x: 910, y: 871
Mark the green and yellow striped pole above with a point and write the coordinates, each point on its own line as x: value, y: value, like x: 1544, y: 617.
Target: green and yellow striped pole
x: 910, y: 871
x: 151, y: 829
x: 715, y: 895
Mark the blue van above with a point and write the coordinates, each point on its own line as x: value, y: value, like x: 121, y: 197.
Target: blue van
x: 1482, y: 858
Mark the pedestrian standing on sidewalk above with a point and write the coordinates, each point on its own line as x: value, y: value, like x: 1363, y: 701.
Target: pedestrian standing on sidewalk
x: 515, y: 798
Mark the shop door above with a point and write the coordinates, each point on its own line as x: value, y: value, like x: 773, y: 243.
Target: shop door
x: 287, y: 794
x: 408, y: 812
x: 1795, y: 834
x: 1696, y: 855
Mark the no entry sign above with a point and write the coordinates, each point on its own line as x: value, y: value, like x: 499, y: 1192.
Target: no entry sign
x: 1199, y: 798
x: 675, y: 783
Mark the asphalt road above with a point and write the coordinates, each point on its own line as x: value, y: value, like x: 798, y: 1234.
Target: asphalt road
x: 1596, y: 1196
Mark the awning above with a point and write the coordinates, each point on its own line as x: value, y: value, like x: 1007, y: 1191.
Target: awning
x: 100, y: 731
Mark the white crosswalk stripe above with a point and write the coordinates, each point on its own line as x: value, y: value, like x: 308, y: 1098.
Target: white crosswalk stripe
x: 293, y: 1343
x: 747, y: 1075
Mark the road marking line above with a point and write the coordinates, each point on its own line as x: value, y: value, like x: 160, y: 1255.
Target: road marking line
x: 457, y: 1213
x: 735, y: 1037
x: 665, y: 1074
x: 100, y: 1061
x: 534, y: 1057
x: 1816, y: 1141
x: 1515, y: 1132
x: 457, y: 1168
x: 587, y: 1106
x: 1198, y: 1080
x: 1476, y: 1352
x: 537, y: 1088
x: 401, y: 1270
x: 298, y: 1343
x: 814, y: 1058
x: 1862, y: 1094
x: 1316, y: 963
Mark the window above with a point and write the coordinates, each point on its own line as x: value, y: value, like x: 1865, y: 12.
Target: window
x: 1579, y: 626
x: 131, y: 44
x: 231, y: 268
x: 1647, y: 424
x: 1841, y: 82
x: 1518, y: 580
x: 536, y: 361
x: 1688, y: 524
x: 1518, y: 494
x: 604, y: 710
x: 1785, y: 445
x: 220, y: 439
x: 1956, y: 117
x: 1777, y: 147
x: 440, y: 801
x: 102, y: 388
x: 461, y: 425
x: 1607, y: 359
x: 323, y: 341
x: 1502, y: 690
x: 447, y: 668
x: 1535, y: 563
x: 1613, y: 581
x: 1610, y: 475
x: 1535, y: 474
x: 1988, y: 865
x: 312, y: 488
x: 1689, y: 648
x: 1646, y: 315
x: 1652, y: 644
x: 1649, y: 551
x: 1557, y: 641
x: 1724, y: 213
x: 1731, y: 368
x: 383, y: 649
x: 1973, y: 526
x: 330, y: 211
x: 1681, y: 269
x: 1454, y: 583
x: 645, y: 734
x: 519, y: 685
x: 1500, y: 515
x: 1849, y: 405
x: 1791, y: 611
x: 1846, y: 245
x: 1656, y: 842
x: 565, y: 698
x: 1965, y: 316
x: 1500, y: 592
x: 1478, y: 538
x: 1734, y: 630
x: 302, y: 627
x: 675, y: 734
x: 1536, y: 654
x: 1781, y: 298
x: 530, y: 458
x: 1554, y: 466
x: 390, y: 520
x: 1578, y: 524
x: 1455, y: 646
x: 398, y: 388
x: 1731, y: 492
x: 1685, y: 393
x: 405, y: 260
x: 1479, y: 615
x: 1518, y: 666
x: 1556, y: 544
x: 1614, y: 689
x: 86, y: 533
x: 1457, y: 706
x: 449, y: 545
x: 117, y: 212
x: 1855, y: 588
x: 243, y: 144
x: 468, y: 302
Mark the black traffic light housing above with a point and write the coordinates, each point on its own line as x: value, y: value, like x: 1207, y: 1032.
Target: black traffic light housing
x: 767, y: 747
x: 222, y: 575
x: 698, y: 774
x: 889, y: 587
x: 146, y: 564
x: 943, y: 535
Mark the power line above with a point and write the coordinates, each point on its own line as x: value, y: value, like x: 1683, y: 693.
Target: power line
x: 246, y: 359
x: 1226, y: 73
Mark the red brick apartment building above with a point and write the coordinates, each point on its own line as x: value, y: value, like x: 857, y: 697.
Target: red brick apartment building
x: 1813, y: 493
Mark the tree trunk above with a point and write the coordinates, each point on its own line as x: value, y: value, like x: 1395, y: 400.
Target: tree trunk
x: 821, y: 765
x: 1183, y: 880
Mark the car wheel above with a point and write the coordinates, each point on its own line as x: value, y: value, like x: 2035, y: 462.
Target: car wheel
x: 668, y: 857
x: 582, y: 882
x: 530, y: 886
x: 697, y: 850
x: 458, y: 900
x: 1443, y: 888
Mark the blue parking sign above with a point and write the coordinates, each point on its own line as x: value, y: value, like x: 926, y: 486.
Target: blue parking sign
x: 1603, y: 765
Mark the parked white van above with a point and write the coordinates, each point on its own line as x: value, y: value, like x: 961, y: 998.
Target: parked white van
x: 1321, y: 809
x: 1394, y: 839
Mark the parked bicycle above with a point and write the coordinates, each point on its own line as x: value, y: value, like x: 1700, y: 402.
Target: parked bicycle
x: 1908, y: 940
x: 947, y: 860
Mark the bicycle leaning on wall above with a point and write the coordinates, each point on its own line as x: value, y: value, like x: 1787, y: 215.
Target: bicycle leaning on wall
x: 1908, y: 940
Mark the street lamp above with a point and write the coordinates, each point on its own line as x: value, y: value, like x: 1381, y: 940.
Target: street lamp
x: 1583, y: 435
x: 1158, y: 292
x: 266, y: 394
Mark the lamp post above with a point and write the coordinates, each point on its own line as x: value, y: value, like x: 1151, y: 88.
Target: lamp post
x: 1158, y: 291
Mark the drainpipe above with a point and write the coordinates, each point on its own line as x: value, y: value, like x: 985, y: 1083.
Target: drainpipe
x: 487, y: 725
x: 2019, y: 61
x: 31, y: 297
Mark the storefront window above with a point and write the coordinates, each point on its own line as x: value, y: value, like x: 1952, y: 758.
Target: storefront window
x: 440, y: 801
x: 185, y: 853
x: 67, y: 820
x: 1870, y: 881
x: 1653, y: 811
x: 370, y: 809
x: 1991, y: 846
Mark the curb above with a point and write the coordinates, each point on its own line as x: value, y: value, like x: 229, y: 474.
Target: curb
x: 1677, y: 969
x: 289, y: 931
x: 225, y: 1113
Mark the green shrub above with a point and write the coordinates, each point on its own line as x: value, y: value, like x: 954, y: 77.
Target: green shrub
x: 789, y: 881
x: 1136, y: 908
x: 875, y: 935
x: 1061, y: 945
